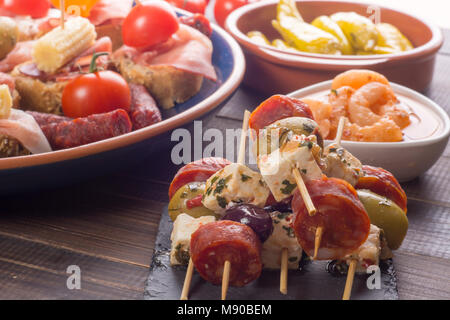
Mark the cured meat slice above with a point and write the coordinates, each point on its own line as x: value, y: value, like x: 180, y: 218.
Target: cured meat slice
x: 81, y: 131
x: 216, y: 242
x: 143, y: 111
x: 342, y: 216
x: 384, y: 183
x: 199, y: 170
x: 188, y: 49
x: 25, y: 129
x: 276, y: 108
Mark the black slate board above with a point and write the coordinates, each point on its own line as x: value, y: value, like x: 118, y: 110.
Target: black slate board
x: 312, y: 282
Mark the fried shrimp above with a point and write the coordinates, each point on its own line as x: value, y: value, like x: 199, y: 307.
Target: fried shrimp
x: 338, y: 99
x: 322, y: 112
x: 367, y: 103
x: 385, y: 130
x: 357, y: 78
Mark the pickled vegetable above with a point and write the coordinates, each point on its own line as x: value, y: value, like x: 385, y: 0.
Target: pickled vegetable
x: 256, y: 218
x: 390, y: 37
x: 301, y: 35
x: 9, y: 32
x: 188, y: 200
x: 258, y: 37
x: 386, y: 215
x: 326, y: 24
x: 359, y: 30
x: 281, y: 44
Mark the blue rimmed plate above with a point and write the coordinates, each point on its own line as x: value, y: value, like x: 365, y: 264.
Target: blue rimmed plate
x: 56, y: 168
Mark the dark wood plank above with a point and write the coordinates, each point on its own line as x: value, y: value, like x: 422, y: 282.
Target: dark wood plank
x: 100, y: 274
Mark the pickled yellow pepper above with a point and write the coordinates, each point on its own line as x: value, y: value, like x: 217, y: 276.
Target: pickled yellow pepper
x: 301, y: 35
x: 258, y: 37
x: 360, y: 31
x: 390, y: 37
x: 326, y: 24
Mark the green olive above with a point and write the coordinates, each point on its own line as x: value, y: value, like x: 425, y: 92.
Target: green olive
x: 386, y: 215
x: 287, y: 127
x: 177, y: 204
x: 9, y: 32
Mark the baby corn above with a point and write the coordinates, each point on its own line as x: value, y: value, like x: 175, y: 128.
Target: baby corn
x: 6, y: 102
x: 59, y: 46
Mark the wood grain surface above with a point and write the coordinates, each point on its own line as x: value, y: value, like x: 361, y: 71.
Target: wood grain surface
x: 107, y: 226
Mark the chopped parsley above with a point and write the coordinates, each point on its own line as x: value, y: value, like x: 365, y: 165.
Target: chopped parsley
x: 221, y: 184
x: 221, y: 201
x: 335, y: 92
x: 308, y: 144
x: 244, y: 177
x: 282, y: 215
x: 308, y: 127
x: 288, y: 187
x: 333, y: 150
x: 289, y: 231
x: 304, y: 171
x: 261, y: 183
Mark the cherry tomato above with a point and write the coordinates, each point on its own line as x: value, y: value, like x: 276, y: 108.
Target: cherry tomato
x: 95, y: 92
x: 223, y: 8
x: 149, y: 23
x: 194, y: 6
x: 33, y: 8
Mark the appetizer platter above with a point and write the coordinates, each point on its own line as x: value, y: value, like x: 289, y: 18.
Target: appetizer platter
x: 272, y: 233
x: 90, y: 86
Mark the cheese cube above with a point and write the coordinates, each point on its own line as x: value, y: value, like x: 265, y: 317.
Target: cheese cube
x: 369, y: 252
x: 234, y: 184
x: 183, y: 227
x: 5, y: 102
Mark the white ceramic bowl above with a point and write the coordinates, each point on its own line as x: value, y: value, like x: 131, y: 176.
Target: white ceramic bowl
x: 407, y: 159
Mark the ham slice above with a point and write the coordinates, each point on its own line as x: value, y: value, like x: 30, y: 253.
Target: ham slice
x: 188, y: 49
x: 20, y: 54
x: 110, y: 11
x: 24, y: 128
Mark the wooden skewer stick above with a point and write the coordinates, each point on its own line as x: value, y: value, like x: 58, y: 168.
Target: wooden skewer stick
x: 340, y: 130
x: 187, y: 281
x: 225, y: 279
x: 241, y: 154
x: 62, y: 7
x: 304, y: 192
x: 317, y: 240
x: 349, y: 282
x: 284, y: 271
x: 241, y: 160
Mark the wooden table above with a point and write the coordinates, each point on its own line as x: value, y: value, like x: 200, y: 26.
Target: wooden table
x: 107, y: 226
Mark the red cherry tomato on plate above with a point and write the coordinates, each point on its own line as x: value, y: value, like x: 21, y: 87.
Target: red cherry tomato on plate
x: 95, y: 92
x: 33, y: 8
x: 149, y: 23
x: 194, y: 6
x: 223, y: 8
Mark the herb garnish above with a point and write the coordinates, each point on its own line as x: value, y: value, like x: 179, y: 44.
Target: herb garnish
x: 244, y: 177
x: 221, y: 201
x: 289, y: 187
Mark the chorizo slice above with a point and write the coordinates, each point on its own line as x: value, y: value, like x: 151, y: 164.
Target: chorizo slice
x: 81, y: 131
x: 340, y: 213
x: 276, y: 108
x: 199, y: 170
x: 384, y: 183
x: 143, y: 110
x: 216, y: 242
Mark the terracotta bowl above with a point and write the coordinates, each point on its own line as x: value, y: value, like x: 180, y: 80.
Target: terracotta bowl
x: 271, y: 70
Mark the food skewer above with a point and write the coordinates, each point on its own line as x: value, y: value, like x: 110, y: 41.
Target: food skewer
x: 337, y: 141
x: 284, y: 271
x: 353, y: 262
x: 241, y: 160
